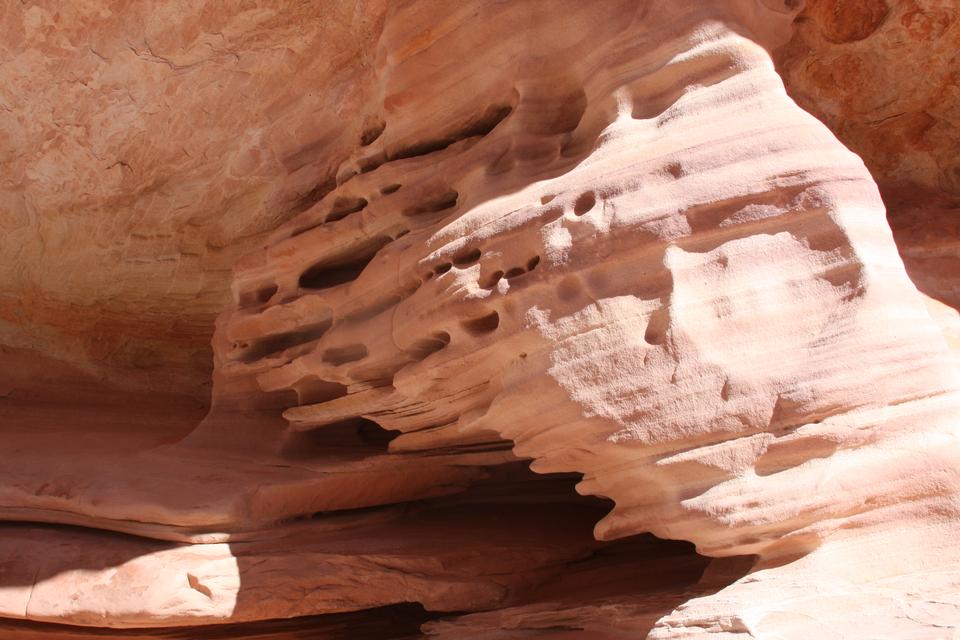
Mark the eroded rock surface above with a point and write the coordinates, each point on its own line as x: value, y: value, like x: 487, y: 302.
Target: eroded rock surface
x: 599, y: 238
x: 884, y: 77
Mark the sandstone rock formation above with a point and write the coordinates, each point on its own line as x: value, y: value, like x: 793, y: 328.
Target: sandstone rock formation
x: 884, y: 77
x: 546, y: 319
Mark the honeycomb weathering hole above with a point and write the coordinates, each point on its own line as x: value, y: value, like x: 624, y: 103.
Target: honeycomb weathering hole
x: 657, y: 325
x: 478, y: 126
x: 343, y: 355
x: 325, y: 274
x: 324, y: 277
x: 274, y: 344
x: 314, y: 390
x: 429, y: 345
x: 491, y: 280
x: 438, y: 202
x: 466, y: 258
x: 343, y: 206
x: 482, y: 325
x: 584, y: 203
x: 351, y: 438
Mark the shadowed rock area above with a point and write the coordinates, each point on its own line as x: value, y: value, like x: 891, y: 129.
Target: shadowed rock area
x: 534, y: 319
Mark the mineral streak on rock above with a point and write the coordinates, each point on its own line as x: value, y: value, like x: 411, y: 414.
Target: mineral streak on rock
x: 596, y: 239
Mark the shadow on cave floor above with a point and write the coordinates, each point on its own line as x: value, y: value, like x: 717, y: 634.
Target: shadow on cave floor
x: 642, y: 577
x: 612, y: 590
x: 393, y: 622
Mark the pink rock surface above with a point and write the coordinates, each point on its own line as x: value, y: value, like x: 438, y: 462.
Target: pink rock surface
x: 601, y: 239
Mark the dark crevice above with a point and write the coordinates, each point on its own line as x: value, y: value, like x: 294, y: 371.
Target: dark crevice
x: 423, y: 148
x: 474, y: 447
x: 358, y: 437
x: 324, y: 277
x: 486, y: 123
x: 519, y: 271
x: 325, y: 274
x: 584, y: 203
x: 342, y: 355
x: 370, y: 163
x: 344, y: 206
x: 315, y: 390
x: 438, y: 202
x: 283, y: 341
x: 467, y: 257
x: 657, y: 325
x: 483, y: 324
x: 479, y: 126
x: 393, y: 621
x: 390, y: 188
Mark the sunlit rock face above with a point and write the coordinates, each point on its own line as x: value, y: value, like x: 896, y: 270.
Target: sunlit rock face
x: 599, y: 240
